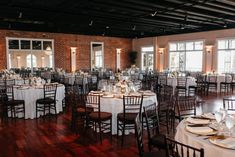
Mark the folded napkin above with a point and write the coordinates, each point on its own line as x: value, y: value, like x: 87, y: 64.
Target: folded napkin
x: 197, y: 121
x: 199, y: 130
x: 227, y: 142
x: 208, y: 115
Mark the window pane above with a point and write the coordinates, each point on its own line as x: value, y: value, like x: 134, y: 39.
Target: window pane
x: 25, y: 44
x: 47, y: 45
x: 181, y: 46
x: 194, y: 61
x: 221, y: 44
x: 232, y: 44
x: 37, y: 45
x: 189, y: 46
x: 172, y: 47
x: 147, y: 49
x: 13, y: 44
x: 198, y: 45
x: 174, y: 61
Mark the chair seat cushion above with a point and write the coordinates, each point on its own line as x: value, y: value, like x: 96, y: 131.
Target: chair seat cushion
x: 14, y: 102
x: 158, y: 140
x: 83, y: 110
x: 129, y: 117
x: 103, y: 116
x: 45, y: 101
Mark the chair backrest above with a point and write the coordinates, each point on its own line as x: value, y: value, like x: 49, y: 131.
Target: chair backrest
x: 200, y: 78
x: 93, y: 101
x: 50, y: 91
x: 162, y: 79
x: 166, y: 93
x: 132, y: 104
x: 228, y: 78
x: 10, y: 82
x: 177, y: 149
x: 79, y: 80
x: 181, y: 81
x: 151, y: 115
x: 229, y: 104
x: 139, y: 135
x: 185, y: 106
x: 212, y: 78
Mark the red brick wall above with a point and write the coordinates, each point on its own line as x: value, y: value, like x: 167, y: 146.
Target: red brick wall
x: 63, y: 42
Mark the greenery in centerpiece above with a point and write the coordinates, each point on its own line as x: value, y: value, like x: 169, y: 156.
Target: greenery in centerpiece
x: 133, y: 57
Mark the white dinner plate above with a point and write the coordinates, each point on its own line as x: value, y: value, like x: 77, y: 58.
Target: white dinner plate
x: 228, y: 143
x: 201, y: 130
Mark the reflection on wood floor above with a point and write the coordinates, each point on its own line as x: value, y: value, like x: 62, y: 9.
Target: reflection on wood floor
x: 53, y: 137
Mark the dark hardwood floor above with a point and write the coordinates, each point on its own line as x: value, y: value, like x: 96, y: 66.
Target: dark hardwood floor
x: 53, y: 137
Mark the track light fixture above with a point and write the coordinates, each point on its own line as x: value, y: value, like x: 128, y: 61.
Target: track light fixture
x: 91, y: 23
x: 154, y: 14
x: 134, y: 27
x: 225, y: 25
x: 20, y: 15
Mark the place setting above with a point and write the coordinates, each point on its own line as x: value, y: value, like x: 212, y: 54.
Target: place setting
x: 217, y: 128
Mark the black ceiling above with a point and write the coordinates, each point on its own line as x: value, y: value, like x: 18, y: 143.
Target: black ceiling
x: 120, y: 18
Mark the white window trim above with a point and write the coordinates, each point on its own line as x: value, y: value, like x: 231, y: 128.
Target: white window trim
x: 141, y: 58
x: 30, y: 50
x: 185, y: 41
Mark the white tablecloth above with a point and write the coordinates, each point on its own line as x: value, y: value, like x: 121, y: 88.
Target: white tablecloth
x: 210, y: 150
x: 32, y: 94
x: 115, y: 106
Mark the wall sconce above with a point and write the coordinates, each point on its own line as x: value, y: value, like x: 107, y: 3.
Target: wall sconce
x: 118, y: 50
x: 161, y: 50
x: 42, y: 57
x: 73, y: 51
x: 18, y: 57
x: 209, y: 48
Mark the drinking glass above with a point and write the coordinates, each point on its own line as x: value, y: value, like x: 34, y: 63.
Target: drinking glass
x: 218, y: 116
x: 229, y: 122
x: 224, y: 113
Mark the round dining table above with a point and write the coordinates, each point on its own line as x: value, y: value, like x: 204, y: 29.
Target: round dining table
x: 114, y: 105
x: 199, y: 141
x: 30, y: 94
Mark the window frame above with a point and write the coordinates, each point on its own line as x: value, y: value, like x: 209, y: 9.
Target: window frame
x: 149, y: 52
x: 217, y: 51
x: 31, y: 50
x: 185, y: 51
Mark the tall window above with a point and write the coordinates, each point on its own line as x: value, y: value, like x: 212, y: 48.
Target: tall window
x: 147, y: 58
x: 226, y: 55
x: 98, y: 58
x: 186, y: 56
x: 27, y: 52
x: 31, y: 60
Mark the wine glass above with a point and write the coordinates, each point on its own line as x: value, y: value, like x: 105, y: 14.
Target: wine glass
x: 218, y: 118
x: 224, y: 113
x: 229, y: 122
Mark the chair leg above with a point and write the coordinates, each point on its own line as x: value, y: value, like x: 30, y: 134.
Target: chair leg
x: 36, y: 110
x: 117, y: 128
x: 123, y: 132
x: 111, y: 129
x: 100, y: 132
